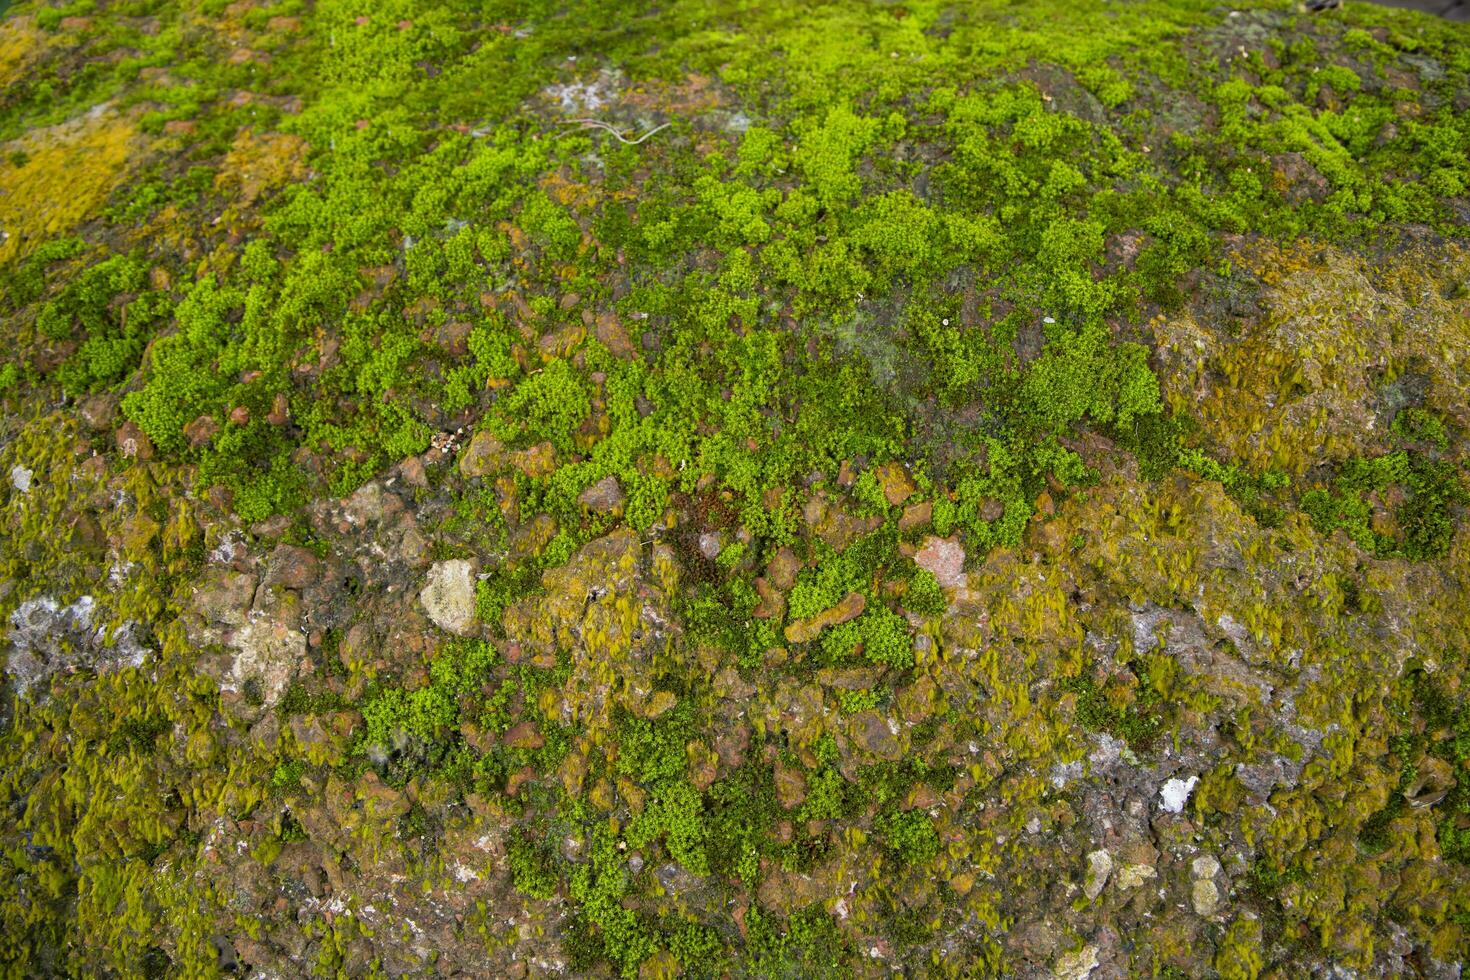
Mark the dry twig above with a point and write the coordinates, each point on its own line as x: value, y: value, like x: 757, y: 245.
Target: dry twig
x: 599, y: 124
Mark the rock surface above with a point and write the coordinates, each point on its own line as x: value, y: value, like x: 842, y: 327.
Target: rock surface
x: 449, y: 595
x: 475, y: 485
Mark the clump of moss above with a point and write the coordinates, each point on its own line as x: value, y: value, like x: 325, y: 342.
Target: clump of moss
x: 1429, y: 487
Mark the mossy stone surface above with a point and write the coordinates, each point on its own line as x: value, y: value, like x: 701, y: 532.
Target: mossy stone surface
x: 948, y: 488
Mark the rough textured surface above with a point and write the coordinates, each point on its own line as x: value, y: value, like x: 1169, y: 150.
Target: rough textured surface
x: 734, y: 489
x: 449, y: 596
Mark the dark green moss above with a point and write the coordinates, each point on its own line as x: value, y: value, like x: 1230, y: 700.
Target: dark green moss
x: 1139, y: 722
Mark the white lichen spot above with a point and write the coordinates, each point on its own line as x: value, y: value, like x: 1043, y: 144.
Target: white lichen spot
x: 1061, y: 774
x: 1176, y: 793
x: 230, y: 547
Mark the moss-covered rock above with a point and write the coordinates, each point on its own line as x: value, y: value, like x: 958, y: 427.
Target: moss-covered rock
x: 705, y: 489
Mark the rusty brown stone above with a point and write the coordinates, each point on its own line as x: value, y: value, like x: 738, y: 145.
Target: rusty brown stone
x: 916, y: 516
x: 523, y: 735
x: 133, y: 441
x: 200, y: 431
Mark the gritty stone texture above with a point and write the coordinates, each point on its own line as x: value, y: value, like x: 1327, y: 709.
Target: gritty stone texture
x: 1099, y: 868
x: 944, y: 557
x: 1078, y: 965
x: 603, y: 497
x: 47, y: 637
x: 804, y: 630
x: 1205, y: 897
x: 449, y: 596
x: 1205, y: 866
x: 1142, y: 329
x: 268, y: 652
x: 1133, y: 875
x: 482, y: 456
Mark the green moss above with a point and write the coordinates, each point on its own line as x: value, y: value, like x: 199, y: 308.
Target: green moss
x: 675, y: 814
x: 885, y: 638
x: 1135, y: 714
x: 826, y: 796
x: 652, y: 752
x: 1417, y: 425
x: 700, y: 951
x: 530, y: 866
x: 929, y: 234
x: 809, y: 945
x: 908, y: 835
x: 1430, y: 487
x: 869, y: 493
x: 852, y: 702
x: 1079, y: 376
x: 420, y: 732
x: 923, y: 595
